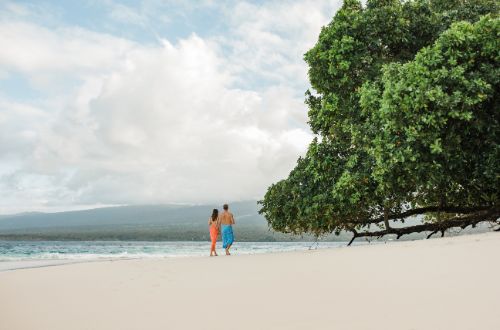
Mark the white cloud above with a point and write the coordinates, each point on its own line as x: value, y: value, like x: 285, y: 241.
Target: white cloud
x: 33, y: 49
x: 155, y: 124
x: 269, y: 40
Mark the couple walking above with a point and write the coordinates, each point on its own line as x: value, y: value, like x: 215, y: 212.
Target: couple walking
x: 221, y: 223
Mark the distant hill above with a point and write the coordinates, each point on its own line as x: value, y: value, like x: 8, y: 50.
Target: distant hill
x: 154, y: 223
x: 140, y: 222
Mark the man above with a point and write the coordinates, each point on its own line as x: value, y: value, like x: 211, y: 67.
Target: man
x: 226, y: 220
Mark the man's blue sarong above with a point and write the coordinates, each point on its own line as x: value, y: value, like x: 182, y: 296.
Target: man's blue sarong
x: 227, y: 235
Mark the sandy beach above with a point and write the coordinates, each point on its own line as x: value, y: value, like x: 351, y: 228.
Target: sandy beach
x: 448, y: 283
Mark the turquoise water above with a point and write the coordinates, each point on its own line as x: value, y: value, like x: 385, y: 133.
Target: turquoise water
x: 25, y: 254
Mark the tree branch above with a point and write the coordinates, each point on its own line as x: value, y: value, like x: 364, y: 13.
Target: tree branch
x: 491, y: 215
x: 428, y: 209
x: 354, y: 235
x: 429, y: 236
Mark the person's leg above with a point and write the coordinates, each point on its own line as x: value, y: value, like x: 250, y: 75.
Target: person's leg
x: 230, y: 240
x: 212, y: 248
x: 213, y: 237
x: 224, y: 239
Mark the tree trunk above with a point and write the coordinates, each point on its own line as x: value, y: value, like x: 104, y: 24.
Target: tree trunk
x: 386, y: 219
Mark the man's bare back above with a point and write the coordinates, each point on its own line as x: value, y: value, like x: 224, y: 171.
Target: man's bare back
x: 226, y: 218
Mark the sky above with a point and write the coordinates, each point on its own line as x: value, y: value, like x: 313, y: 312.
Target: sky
x: 151, y: 102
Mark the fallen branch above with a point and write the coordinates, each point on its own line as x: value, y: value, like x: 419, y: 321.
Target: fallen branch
x: 354, y: 235
x: 429, y: 236
x: 427, y: 209
x: 491, y: 215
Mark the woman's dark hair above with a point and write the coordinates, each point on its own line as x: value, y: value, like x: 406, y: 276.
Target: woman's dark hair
x: 215, y: 213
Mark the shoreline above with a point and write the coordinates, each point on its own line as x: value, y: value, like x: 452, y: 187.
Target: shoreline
x: 28, y: 263
x: 441, y: 283
x: 63, y: 259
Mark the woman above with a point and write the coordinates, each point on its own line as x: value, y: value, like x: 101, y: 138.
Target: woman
x: 213, y: 225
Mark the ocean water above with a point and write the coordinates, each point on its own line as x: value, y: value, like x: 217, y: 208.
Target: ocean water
x: 27, y: 254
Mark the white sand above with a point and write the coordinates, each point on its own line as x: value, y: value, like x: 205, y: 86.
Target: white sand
x: 449, y: 283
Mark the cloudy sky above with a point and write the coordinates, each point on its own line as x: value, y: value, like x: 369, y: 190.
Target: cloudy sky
x: 107, y: 102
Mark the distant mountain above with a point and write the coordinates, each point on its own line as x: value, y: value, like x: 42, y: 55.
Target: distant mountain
x: 140, y: 222
x: 156, y: 223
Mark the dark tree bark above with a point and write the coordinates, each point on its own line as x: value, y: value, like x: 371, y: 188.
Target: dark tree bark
x: 472, y: 219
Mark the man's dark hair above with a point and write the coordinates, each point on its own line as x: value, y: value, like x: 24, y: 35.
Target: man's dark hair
x: 225, y: 207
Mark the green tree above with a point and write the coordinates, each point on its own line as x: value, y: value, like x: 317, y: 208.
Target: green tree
x: 406, y: 112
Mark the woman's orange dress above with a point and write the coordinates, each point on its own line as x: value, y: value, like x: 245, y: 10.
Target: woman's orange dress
x: 214, y: 232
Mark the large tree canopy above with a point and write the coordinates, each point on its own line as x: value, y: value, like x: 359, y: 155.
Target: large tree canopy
x: 406, y: 115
